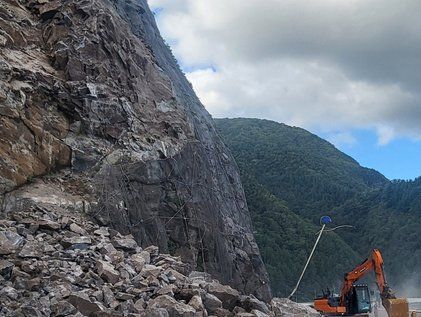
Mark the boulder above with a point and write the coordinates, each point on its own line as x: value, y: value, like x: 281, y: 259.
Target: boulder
x: 49, y: 9
x: 77, y: 229
x: 63, y: 308
x: 174, y: 308
x: 222, y: 312
x: 167, y: 290
x: 212, y: 303
x: 153, y: 250
x: 200, y: 277
x: 258, y: 313
x: 29, y: 310
x: 84, y: 305
x: 175, y: 276
x: 107, y: 272
x: 31, y: 249
x: 197, y: 303
x: 33, y: 284
x: 284, y: 307
x: 226, y: 294
x: 9, y: 292
x: 155, y: 312
x: 6, y: 269
x: 250, y: 302
x: 48, y: 224
x: 151, y: 270
x: 140, y: 305
x: 111, y: 252
x: 103, y: 231
x: 124, y: 296
x: 10, y: 242
x: 108, y: 296
x: 76, y: 242
x: 238, y: 309
x: 140, y: 259
x: 126, y: 243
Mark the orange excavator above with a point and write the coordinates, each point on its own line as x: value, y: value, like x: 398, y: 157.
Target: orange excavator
x: 355, y: 299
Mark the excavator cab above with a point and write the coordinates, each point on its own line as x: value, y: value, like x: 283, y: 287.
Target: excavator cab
x: 329, y: 304
x: 358, y: 300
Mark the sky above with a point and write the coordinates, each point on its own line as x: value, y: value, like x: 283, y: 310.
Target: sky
x: 346, y: 70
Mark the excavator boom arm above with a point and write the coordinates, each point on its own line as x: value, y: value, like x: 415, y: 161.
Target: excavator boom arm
x: 374, y: 262
x: 394, y: 306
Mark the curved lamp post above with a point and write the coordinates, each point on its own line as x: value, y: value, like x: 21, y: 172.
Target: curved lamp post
x: 324, y: 221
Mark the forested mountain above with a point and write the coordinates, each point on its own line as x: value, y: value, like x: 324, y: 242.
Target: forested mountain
x: 285, y: 239
x: 309, y: 173
x: 292, y: 177
x: 388, y: 218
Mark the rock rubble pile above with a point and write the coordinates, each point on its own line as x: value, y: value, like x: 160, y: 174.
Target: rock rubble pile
x: 55, y: 264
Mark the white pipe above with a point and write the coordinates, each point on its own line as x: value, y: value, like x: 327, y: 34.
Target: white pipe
x: 308, y: 262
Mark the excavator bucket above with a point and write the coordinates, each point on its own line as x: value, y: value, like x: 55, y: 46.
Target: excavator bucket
x: 396, y: 307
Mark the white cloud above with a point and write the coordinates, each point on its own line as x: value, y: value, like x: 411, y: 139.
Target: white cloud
x: 330, y: 65
x: 386, y: 134
x: 342, y: 139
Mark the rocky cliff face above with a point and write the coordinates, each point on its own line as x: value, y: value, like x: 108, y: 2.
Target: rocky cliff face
x: 92, y: 99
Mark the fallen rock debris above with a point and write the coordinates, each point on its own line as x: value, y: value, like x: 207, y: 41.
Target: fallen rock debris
x: 62, y: 265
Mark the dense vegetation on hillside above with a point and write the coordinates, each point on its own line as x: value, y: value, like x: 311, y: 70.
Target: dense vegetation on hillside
x: 292, y: 177
x: 390, y: 219
x: 285, y: 240
x: 309, y: 173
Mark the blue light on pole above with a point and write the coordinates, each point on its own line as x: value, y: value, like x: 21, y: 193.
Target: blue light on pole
x: 325, y: 220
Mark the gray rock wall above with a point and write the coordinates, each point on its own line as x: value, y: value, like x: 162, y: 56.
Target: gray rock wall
x: 92, y: 86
